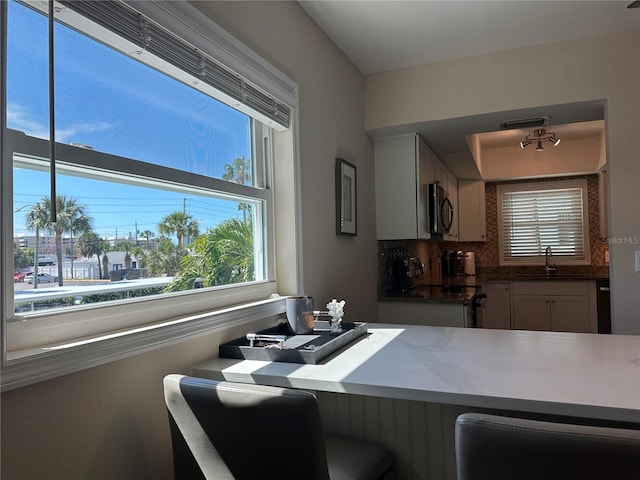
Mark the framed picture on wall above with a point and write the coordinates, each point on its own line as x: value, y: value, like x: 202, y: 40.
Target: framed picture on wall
x: 346, y: 205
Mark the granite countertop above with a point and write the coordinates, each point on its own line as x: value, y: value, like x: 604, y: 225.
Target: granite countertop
x: 432, y: 294
x: 567, y: 277
x: 460, y: 289
x: 574, y: 374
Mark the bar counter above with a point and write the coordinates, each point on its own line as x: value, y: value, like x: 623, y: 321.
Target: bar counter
x: 569, y: 374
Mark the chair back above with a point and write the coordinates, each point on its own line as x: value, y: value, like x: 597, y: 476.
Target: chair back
x: 226, y: 430
x: 503, y: 448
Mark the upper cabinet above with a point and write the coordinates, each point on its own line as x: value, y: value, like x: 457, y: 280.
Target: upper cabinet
x: 404, y: 168
x: 472, y: 225
x: 401, y: 188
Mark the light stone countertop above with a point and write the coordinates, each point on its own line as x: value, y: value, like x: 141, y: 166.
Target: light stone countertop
x: 574, y: 374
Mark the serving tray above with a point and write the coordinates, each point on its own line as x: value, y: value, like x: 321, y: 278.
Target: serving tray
x: 309, y: 348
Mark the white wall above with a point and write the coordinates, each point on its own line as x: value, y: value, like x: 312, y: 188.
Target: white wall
x: 331, y: 117
x: 601, y: 68
x: 109, y: 422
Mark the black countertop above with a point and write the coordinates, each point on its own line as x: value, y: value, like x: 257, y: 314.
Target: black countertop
x: 434, y: 294
x: 461, y: 289
x: 542, y: 278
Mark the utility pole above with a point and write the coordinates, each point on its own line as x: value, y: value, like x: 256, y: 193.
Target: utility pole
x: 136, y: 223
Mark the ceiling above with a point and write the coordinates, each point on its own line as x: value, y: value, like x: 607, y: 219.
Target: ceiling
x: 381, y: 35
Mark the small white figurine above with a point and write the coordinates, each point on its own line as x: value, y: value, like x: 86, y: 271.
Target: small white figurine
x: 336, y: 311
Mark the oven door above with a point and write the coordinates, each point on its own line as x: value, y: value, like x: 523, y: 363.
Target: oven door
x: 475, y: 310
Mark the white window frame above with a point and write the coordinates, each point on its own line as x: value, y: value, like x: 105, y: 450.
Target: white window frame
x: 170, y: 318
x: 537, y: 186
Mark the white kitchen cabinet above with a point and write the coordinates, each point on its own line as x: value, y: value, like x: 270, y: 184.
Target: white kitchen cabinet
x: 497, y: 308
x: 531, y: 312
x: 423, y: 313
x: 554, y: 306
x: 472, y: 220
x: 435, y: 167
x: 570, y: 313
x: 402, y: 178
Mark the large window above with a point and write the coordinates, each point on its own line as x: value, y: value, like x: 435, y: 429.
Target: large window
x: 535, y: 216
x: 163, y: 188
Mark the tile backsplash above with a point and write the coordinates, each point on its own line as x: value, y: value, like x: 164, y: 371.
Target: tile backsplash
x: 486, y: 253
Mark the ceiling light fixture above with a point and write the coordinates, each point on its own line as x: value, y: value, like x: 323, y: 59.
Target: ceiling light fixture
x: 539, y: 135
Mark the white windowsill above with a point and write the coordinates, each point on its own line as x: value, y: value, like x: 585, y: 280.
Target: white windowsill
x: 42, y: 364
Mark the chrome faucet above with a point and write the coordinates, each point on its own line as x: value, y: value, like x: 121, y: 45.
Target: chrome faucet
x: 548, y: 266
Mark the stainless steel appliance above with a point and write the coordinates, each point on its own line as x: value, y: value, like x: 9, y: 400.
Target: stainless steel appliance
x: 440, y: 210
x: 475, y: 308
x: 453, y: 263
x: 458, y: 263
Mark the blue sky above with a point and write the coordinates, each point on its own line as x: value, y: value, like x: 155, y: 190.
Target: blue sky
x: 115, y: 105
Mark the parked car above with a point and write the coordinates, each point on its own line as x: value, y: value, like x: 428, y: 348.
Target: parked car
x: 18, y: 276
x: 42, y: 278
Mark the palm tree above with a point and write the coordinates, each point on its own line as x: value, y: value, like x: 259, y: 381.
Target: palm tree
x: 22, y: 257
x: 90, y: 244
x: 141, y: 256
x: 179, y: 223
x: 147, y: 234
x: 126, y: 247
x: 221, y: 256
x: 239, y: 171
x: 71, y: 217
x: 165, y: 259
x: 36, y: 218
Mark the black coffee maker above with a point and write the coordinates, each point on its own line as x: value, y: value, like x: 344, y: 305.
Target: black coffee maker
x: 405, y: 274
x: 453, y: 263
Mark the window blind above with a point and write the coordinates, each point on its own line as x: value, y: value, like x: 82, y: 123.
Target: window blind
x: 533, y: 220
x: 136, y: 28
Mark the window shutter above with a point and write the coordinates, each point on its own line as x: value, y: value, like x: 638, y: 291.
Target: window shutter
x: 136, y: 28
x: 533, y: 220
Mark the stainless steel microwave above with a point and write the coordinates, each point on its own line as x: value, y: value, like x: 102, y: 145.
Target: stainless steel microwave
x: 440, y: 210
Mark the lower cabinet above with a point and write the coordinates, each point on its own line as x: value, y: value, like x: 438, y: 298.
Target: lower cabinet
x: 497, y: 308
x: 548, y: 305
x: 554, y: 306
x: 531, y: 312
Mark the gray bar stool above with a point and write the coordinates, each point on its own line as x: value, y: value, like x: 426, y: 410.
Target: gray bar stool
x: 226, y: 430
x: 490, y: 447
